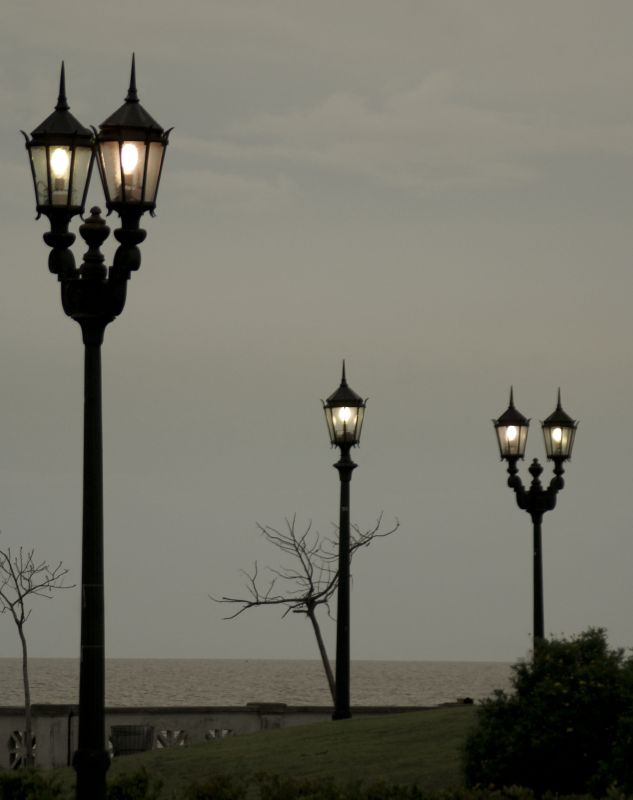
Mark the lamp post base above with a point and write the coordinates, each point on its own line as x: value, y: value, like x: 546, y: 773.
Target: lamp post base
x: 91, y: 768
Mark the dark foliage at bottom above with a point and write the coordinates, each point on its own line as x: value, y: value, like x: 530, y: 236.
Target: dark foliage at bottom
x: 567, y: 726
x: 28, y: 785
x: 138, y: 786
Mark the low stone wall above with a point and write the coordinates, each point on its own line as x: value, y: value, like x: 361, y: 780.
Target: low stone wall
x: 55, y: 726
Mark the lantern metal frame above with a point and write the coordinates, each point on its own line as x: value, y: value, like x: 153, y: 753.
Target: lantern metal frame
x: 337, y: 424
x: 512, y: 446
x: 60, y: 130
x: 131, y: 125
x: 559, y: 432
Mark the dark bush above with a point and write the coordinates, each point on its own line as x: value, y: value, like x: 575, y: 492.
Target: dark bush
x: 28, y: 785
x: 219, y: 787
x: 273, y: 787
x: 137, y: 786
x: 566, y: 727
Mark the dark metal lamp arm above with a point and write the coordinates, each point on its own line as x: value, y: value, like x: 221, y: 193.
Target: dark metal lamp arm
x: 516, y: 484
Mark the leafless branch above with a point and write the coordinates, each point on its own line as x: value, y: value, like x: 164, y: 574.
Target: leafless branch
x: 21, y: 577
x: 309, y: 581
x: 312, y: 577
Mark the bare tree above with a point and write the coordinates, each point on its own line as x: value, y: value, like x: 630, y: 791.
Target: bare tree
x: 22, y: 578
x: 309, y: 582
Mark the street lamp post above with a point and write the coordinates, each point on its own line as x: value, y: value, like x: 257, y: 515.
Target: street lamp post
x: 344, y: 412
x: 129, y: 148
x: 559, y: 430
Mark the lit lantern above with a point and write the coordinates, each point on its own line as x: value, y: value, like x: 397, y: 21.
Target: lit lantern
x: 512, y: 430
x: 61, y: 154
x: 131, y: 148
x: 559, y: 431
x: 344, y: 412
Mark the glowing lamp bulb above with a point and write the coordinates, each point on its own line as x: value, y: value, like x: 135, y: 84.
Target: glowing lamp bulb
x: 129, y: 158
x: 557, y: 435
x: 511, y: 433
x: 60, y: 161
x: 345, y: 414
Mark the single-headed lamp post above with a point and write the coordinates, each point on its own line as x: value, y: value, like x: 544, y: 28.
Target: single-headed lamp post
x: 344, y: 412
x: 129, y: 149
x: 559, y: 430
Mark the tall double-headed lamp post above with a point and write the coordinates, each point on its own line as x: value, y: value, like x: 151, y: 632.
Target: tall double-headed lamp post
x: 344, y: 412
x: 129, y: 148
x: 559, y: 430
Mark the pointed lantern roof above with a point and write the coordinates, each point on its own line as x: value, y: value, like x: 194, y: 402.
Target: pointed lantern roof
x: 511, y: 416
x: 344, y: 396
x: 61, y: 126
x: 131, y: 120
x: 559, y: 417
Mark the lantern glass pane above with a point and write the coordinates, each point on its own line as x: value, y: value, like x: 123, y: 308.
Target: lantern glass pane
x: 81, y: 170
x: 512, y: 440
x: 345, y: 423
x: 559, y: 440
x: 133, y: 168
x: 110, y: 169
x: 330, y: 427
x: 59, y: 158
x: 40, y: 169
x: 154, y: 163
x: 123, y: 165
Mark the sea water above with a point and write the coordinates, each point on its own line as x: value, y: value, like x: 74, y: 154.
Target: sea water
x: 226, y: 682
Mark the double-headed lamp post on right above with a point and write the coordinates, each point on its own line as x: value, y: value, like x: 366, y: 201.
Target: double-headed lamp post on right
x: 559, y: 430
x: 344, y: 412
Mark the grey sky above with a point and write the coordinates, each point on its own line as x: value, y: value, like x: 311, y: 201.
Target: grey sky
x: 441, y: 193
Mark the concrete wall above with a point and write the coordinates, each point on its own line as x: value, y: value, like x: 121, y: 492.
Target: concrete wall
x: 55, y: 726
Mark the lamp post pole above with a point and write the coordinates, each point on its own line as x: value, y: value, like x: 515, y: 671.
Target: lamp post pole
x: 344, y: 413
x: 559, y: 430
x: 91, y: 760
x: 130, y: 149
x: 345, y: 467
x: 538, y: 621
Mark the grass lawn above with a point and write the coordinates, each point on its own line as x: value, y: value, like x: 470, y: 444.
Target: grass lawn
x: 422, y: 747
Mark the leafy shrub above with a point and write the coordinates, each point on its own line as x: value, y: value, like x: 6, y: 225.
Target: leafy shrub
x: 28, y: 785
x: 568, y: 725
x: 219, y: 787
x: 273, y: 787
x: 137, y: 786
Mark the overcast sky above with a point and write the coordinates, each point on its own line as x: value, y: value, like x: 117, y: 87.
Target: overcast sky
x: 439, y: 192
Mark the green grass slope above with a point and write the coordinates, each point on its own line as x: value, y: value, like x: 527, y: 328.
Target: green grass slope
x: 422, y: 748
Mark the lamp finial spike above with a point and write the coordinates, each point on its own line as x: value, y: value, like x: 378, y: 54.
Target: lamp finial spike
x: 132, y: 95
x: 511, y: 396
x: 62, y: 102
x: 558, y: 401
x: 343, y: 378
